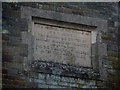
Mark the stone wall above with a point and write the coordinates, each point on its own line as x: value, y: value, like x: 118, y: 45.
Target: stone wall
x: 15, y: 51
x: 1, y: 46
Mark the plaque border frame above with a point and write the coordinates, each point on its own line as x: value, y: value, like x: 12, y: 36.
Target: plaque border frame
x: 101, y: 26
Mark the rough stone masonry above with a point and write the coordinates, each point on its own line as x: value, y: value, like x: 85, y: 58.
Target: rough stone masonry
x: 59, y: 45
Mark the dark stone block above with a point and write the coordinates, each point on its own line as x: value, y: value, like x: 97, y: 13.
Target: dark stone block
x: 110, y: 23
x: 6, y: 57
x: 23, y: 50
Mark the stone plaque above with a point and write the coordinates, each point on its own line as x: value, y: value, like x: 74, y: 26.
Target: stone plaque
x: 62, y: 45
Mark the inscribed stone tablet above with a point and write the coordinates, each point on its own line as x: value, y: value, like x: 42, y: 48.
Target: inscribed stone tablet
x: 62, y: 45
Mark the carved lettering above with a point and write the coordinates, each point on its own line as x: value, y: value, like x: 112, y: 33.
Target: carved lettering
x: 62, y: 45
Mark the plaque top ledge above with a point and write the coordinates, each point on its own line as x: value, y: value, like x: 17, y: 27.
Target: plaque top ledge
x: 29, y: 12
x: 62, y: 24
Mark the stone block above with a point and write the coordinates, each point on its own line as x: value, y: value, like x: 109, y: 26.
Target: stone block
x: 23, y: 50
x: 66, y: 84
x: 65, y: 79
x: 54, y: 77
x: 17, y: 59
x: 55, y: 87
x: 40, y: 81
x: 43, y: 86
x: 81, y: 81
x: 51, y: 82
x: 73, y: 85
x: 41, y: 76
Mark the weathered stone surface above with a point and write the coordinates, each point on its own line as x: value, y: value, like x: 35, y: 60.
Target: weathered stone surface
x: 17, y: 45
x: 63, y: 69
x: 62, y: 45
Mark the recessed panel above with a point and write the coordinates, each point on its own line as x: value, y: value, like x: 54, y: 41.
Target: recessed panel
x: 62, y: 45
